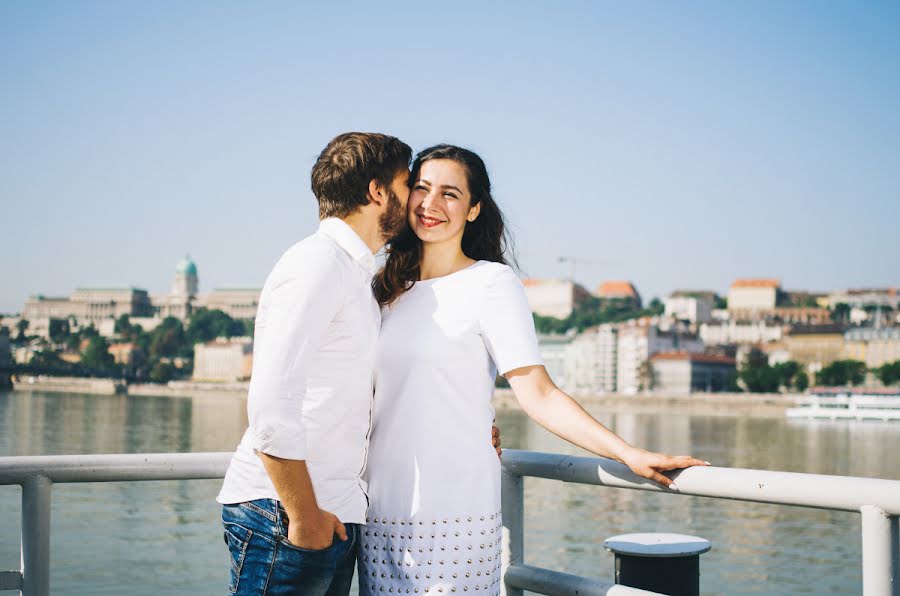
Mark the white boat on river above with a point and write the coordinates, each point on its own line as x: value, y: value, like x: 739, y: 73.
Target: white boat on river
x: 849, y: 404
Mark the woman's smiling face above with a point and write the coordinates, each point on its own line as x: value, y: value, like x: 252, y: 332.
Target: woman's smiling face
x: 439, y: 202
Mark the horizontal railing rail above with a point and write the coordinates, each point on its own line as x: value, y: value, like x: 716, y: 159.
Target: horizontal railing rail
x: 820, y: 491
x: 114, y: 468
x: 878, y: 501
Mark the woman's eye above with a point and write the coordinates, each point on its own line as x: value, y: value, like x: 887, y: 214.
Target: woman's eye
x: 419, y: 187
x: 450, y: 195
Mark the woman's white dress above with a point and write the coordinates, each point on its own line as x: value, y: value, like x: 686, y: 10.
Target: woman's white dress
x: 434, y: 522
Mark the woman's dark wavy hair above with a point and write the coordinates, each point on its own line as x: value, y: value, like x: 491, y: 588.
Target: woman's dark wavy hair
x: 484, y: 239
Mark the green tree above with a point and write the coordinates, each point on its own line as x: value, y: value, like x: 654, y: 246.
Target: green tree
x: 73, y: 342
x: 656, y: 306
x: 840, y: 313
x: 785, y: 371
x: 123, y: 327
x: 249, y: 327
x: 889, y: 374
x: 550, y: 324
x: 162, y: 372
x: 206, y: 325
x: 594, y: 311
x: 167, y: 339
x: 88, y: 332
x: 47, y: 358
x: 801, y: 381
x: 842, y: 372
x: 757, y: 375
x: 21, y: 327
x: 59, y: 330
x: 96, y: 354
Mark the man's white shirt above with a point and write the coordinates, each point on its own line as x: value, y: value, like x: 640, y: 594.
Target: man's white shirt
x: 313, y: 355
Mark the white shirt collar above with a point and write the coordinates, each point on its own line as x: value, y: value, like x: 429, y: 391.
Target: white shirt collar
x: 347, y: 238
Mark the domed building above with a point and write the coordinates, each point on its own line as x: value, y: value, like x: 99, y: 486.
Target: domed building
x: 182, y: 300
x: 186, y: 283
x: 185, y: 298
x: 101, y: 306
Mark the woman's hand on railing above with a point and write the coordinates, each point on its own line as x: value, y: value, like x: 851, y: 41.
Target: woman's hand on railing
x: 652, y: 465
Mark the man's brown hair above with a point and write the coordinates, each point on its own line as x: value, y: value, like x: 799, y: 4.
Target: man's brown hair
x: 341, y: 175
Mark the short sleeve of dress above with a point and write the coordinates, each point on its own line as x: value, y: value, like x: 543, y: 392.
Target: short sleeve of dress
x: 507, y: 325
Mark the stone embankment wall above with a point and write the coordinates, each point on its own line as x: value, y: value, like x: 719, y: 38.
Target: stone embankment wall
x: 714, y: 404
x: 190, y: 389
x: 69, y: 385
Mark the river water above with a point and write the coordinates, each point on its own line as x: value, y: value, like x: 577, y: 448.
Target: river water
x: 144, y: 538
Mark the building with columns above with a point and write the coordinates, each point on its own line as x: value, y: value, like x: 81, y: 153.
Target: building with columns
x: 101, y: 306
x: 90, y: 305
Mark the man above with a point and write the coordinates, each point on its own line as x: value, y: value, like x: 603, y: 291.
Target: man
x: 293, y: 497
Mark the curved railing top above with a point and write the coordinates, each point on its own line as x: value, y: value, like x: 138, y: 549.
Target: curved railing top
x: 847, y: 493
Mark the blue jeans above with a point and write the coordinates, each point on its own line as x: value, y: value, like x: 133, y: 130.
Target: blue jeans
x: 264, y: 563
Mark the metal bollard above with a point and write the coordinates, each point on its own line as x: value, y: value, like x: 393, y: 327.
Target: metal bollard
x: 659, y: 562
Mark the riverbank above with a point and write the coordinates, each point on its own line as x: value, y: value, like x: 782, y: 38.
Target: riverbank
x: 752, y: 405
x: 715, y: 404
x: 114, y: 386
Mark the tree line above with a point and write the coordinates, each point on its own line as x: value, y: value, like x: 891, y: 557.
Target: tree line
x: 597, y: 311
x: 159, y: 355
x: 759, y: 376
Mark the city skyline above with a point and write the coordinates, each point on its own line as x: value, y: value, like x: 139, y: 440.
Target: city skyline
x: 591, y: 289
x: 677, y: 147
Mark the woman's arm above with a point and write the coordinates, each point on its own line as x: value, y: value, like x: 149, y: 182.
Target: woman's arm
x: 553, y: 409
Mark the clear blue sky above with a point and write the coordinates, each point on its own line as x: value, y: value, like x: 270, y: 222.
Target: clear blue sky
x: 678, y: 145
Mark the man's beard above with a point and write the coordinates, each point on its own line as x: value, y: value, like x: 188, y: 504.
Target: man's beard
x: 393, y: 220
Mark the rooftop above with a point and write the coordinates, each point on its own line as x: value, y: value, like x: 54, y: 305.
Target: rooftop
x: 829, y: 329
x: 860, y: 291
x: 693, y: 357
x: 870, y: 333
x: 617, y: 289
x: 530, y: 282
x: 110, y: 288
x: 186, y: 266
x: 237, y: 289
x: 693, y: 294
x: 756, y: 283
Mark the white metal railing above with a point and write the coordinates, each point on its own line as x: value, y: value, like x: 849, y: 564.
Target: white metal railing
x: 878, y: 501
x: 37, y: 474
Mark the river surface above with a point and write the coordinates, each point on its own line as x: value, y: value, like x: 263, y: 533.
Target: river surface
x: 143, y: 538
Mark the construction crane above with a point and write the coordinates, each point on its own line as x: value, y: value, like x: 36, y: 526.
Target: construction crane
x: 574, y: 261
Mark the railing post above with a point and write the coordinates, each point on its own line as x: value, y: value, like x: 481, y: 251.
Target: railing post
x: 513, y: 504
x: 877, y: 551
x: 895, y: 554
x: 36, y: 536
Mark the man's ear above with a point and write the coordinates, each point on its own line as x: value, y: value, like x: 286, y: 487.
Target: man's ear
x: 474, y: 212
x: 377, y: 194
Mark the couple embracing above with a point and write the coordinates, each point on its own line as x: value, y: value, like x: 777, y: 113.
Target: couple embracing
x: 370, y: 401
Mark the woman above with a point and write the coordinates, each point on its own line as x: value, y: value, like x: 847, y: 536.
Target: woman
x: 454, y: 314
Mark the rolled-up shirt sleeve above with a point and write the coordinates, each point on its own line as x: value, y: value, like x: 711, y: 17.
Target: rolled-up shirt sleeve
x: 304, y: 296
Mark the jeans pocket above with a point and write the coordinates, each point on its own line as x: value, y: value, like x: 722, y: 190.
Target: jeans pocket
x: 237, y: 538
x: 311, y: 551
